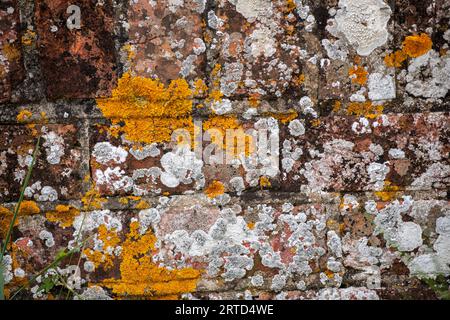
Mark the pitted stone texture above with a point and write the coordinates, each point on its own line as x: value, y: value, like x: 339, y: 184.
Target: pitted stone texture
x: 119, y: 168
x: 167, y: 37
x: 11, y: 66
x: 57, y: 173
x: 77, y: 63
x: 262, y: 50
x: 343, y: 35
x: 359, y: 154
x: 414, y: 17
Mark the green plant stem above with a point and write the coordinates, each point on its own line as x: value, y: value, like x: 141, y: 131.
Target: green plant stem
x: 52, y: 265
x: 14, y: 218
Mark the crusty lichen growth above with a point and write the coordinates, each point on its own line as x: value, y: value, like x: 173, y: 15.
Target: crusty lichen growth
x: 63, y: 215
x: 395, y: 59
x: 365, y: 109
x: 146, y: 111
x: 224, y: 123
x: 417, y: 45
x: 358, y: 75
x: 413, y: 46
x: 140, y: 276
x: 27, y: 208
x: 215, y: 189
x: 105, y: 258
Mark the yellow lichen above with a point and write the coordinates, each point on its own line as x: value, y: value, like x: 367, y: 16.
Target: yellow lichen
x: 264, y: 182
x: 200, y: 87
x: 26, y: 208
x: 364, y: 109
x: 215, y: 189
x: 283, y: 117
x: 28, y: 38
x: 417, y: 45
x: 254, y: 100
x: 104, y: 258
x: 146, y: 111
x: 224, y: 123
x: 337, y: 106
x: 142, y: 205
x: 63, y: 215
x: 396, y: 59
x: 388, y: 193
x: 11, y: 52
x: 358, y: 75
x: 92, y: 199
x: 140, y: 276
x: 24, y: 116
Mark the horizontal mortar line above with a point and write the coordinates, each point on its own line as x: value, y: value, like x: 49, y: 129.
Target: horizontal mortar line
x: 259, y: 196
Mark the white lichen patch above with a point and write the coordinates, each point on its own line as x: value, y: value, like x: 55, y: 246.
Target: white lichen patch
x: 428, y: 76
x: 363, y: 23
x: 181, y: 166
x: 54, y: 147
x: 104, y: 152
x: 381, y: 87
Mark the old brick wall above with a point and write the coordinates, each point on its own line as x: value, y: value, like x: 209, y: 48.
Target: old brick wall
x: 355, y: 205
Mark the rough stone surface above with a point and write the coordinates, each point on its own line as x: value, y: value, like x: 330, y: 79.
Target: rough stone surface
x: 351, y: 202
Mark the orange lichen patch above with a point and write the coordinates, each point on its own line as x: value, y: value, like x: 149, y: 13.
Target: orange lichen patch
x: 283, y: 117
x: 215, y: 96
x: 224, y: 123
x: 140, y: 276
x: 264, y: 182
x: 127, y: 199
x: 26, y: 208
x: 24, y: 116
x: 200, y: 87
x: 364, y: 109
x: 329, y: 274
x: 417, y: 45
x: 298, y: 81
x: 92, y: 200
x: 337, y: 106
x: 28, y: 37
x: 388, y: 193
x: 315, y: 122
x: 358, y: 75
x: 251, y: 225
x: 142, y: 205
x: 104, y: 258
x: 396, y: 59
x: 146, y: 111
x: 11, y: 53
x: 5, y: 220
x: 63, y: 215
x: 290, y: 6
x: 254, y: 100
x: 215, y: 189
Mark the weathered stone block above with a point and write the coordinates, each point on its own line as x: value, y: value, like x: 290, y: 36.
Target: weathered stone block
x: 57, y: 174
x: 77, y: 61
x: 167, y: 37
x: 11, y: 65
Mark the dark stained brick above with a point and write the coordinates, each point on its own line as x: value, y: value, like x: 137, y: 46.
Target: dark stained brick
x: 11, y: 66
x: 76, y: 63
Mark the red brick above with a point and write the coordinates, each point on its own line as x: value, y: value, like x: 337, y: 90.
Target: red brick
x: 76, y: 63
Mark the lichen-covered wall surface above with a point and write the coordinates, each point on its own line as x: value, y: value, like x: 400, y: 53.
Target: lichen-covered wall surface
x: 354, y: 206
